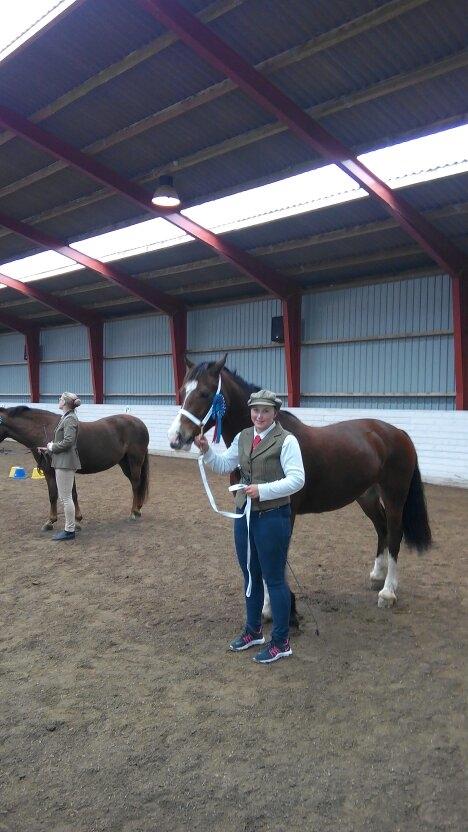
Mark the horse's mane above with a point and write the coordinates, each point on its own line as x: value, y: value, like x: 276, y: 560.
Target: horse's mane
x: 15, y: 411
x: 247, y: 386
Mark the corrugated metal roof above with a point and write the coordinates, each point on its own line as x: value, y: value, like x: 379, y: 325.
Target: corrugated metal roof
x: 113, y: 79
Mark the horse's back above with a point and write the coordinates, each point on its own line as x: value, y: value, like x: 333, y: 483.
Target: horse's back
x: 105, y: 442
x: 120, y: 423
x: 344, y: 459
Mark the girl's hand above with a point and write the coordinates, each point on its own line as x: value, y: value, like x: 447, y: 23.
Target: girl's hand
x: 202, y: 443
x: 252, y: 491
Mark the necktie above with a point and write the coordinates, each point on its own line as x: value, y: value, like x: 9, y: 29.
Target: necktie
x: 256, y: 441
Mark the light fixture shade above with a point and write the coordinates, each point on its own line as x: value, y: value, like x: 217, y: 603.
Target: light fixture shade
x: 165, y: 195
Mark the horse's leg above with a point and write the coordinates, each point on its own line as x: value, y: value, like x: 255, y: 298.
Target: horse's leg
x: 373, y: 508
x: 78, y: 512
x: 393, y: 502
x: 53, y: 495
x: 132, y: 470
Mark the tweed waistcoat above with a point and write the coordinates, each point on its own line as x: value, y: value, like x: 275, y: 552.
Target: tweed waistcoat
x: 261, y: 465
x: 64, y: 450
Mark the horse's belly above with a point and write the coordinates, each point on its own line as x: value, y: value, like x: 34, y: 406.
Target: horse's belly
x: 316, y: 505
x: 323, y: 496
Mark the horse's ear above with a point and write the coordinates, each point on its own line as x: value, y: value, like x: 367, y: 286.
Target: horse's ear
x: 218, y: 365
x: 189, y: 364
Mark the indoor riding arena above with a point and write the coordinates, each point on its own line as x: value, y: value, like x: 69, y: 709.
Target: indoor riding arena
x: 199, y: 200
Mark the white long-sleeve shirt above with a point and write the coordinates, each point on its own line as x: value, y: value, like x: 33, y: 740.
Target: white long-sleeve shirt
x: 290, y: 459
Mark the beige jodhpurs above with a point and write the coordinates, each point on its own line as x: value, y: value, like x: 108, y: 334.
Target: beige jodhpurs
x: 64, y: 479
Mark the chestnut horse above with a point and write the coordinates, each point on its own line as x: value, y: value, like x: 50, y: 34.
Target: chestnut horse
x: 362, y: 460
x: 115, y: 440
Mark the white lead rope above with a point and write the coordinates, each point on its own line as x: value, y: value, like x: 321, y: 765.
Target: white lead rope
x: 230, y: 514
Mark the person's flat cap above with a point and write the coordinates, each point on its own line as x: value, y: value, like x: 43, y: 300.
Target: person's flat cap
x: 266, y: 398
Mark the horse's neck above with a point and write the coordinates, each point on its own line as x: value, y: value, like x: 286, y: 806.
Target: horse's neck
x: 33, y: 433
x: 237, y: 414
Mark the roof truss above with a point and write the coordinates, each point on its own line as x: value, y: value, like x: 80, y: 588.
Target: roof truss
x: 220, y: 55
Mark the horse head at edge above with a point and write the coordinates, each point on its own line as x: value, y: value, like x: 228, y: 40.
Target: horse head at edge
x: 197, y: 393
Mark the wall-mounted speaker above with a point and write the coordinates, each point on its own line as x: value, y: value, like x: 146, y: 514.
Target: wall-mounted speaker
x: 277, y: 329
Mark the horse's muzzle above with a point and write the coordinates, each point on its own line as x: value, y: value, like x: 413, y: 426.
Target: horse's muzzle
x: 180, y: 444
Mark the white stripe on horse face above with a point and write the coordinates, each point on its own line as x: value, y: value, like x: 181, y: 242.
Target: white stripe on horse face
x: 175, y: 427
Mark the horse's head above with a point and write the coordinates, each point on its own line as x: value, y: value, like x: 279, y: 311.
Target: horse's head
x: 198, y: 390
x: 26, y: 425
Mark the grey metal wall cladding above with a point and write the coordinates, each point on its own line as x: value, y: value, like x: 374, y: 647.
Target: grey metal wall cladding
x: 63, y: 342
x: 137, y: 400
x: 373, y: 402
x: 137, y: 336
x: 242, y: 324
x: 420, y: 305
x: 53, y: 400
x: 148, y: 375
x: 361, y: 351
x: 414, y: 365
x: 65, y: 375
x: 14, y: 381
x: 11, y: 347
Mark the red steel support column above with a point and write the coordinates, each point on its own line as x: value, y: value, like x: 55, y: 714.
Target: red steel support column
x: 178, y: 328
x: 292, y: 347
x: 460, y: 338
x: 96, y: 357
x: 33, y: 354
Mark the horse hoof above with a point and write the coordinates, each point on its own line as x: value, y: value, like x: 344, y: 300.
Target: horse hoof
x: 77, y: 527
x: 294, y: 621
x: 376, y: 583
x: 134, y: 516
x: 386, y: 599
x: 47, y: 527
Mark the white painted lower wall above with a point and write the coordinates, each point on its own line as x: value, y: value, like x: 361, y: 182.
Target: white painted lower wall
x: 440, y: 437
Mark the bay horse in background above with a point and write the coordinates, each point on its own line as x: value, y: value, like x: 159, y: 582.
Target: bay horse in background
x: 363, y: 460
x: 115, y: 440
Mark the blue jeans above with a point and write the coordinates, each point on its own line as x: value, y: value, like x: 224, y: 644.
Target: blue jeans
x: 270, y: 532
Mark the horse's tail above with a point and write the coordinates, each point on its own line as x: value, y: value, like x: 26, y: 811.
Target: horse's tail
x: 416, y: 529
x: 143, y: 486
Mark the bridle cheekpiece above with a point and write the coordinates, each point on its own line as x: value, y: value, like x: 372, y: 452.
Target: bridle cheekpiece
x: 216, y: 411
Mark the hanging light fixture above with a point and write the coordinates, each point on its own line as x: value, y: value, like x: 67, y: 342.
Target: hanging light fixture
x: 165, y: 195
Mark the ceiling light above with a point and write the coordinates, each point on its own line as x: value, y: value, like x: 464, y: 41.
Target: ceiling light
x: 165, y: 195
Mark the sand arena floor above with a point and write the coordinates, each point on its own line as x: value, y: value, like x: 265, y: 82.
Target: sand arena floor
x: 122, y: 710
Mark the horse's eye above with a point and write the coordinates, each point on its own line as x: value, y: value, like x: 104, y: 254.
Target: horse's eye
x: 204, y: 395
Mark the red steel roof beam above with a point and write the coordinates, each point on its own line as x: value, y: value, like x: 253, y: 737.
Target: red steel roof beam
x: 275, y: 283
x: 89, y: 319
x: 160, y: 300
x: 153, y: 297
x: 65, y: 307
x: 12, y: 322
x: 217, y: 52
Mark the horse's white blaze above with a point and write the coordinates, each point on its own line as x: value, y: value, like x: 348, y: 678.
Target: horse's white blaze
x: 387, y: 595
x: 266, y: 611
x: 174, y: 429
x: 379, y: 572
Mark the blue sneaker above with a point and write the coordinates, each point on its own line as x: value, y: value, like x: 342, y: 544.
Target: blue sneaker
x: 273, y: 652
x: 64, y: 536
x: 247, y: 639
